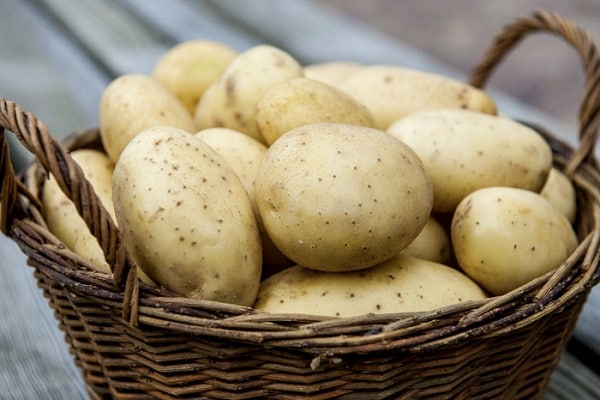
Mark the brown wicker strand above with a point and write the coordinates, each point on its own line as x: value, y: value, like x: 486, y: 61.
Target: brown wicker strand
x: 589, y: 113
x: 54, y: 157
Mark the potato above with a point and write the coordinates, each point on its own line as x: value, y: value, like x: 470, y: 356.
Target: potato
x: 464, y: 150
x: 244, y: 155
x: 401, y: 284
x: 338, y: 197
x: 302, y: 101
x: 331, y: 72
x: 392, y: 92
x: 132, y: 103
x: 188, y: 68
x: 560, y: 192
x: 62, y: 217
x: 504, y: 237
x: 432, y: 243
x: 230, y: 102
x: 186, y: 218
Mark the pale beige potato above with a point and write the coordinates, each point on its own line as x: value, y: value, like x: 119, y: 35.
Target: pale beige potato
x: 560, y: 192
x: 505, y: 237
x: 339, y: 197
x: 188, y: 68
x: 132, y: 103
x: 303, y: 101
x: 392, y: 92
x: 331, y: 72
x: 230, y: 101
x: 62, y: 217
x: 244, y: 155
x: 464, y: 150
x: 401, y: 284
x: 186, y: 217
x: 432, y: 243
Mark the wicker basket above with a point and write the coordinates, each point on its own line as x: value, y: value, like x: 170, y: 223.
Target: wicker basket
x: 134, y: 342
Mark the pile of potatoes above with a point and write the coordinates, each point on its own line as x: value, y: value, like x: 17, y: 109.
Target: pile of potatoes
x: 336, y: 189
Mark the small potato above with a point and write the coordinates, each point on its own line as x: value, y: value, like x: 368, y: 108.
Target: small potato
x: 464, y: 150
x: 560, y: 192
x: 132, y: 103
x: 505, y: 237
x: 332, y: 72
x: 62, y: 217
x: 303, y: 101
x: 230, y: 102
x: 391, y: 93
x: 188, y: 68
x: 401, y: 284
x: 244, y: 155
x: 432, y: 243
x: 186, y: 217
x: 338, y: 197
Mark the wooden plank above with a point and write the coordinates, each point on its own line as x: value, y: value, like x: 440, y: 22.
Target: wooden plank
x: 573, y: 380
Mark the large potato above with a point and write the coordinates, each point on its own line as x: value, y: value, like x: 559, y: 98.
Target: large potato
x: 504, y: 237
x: 464, y: 150
x: 391, y: 92
x: 186, y: 217
x: 560, y: 192
x: 62, y: 217
x: 132, y: 103
x: 340, y: 197
x: 189, y: 68
x: 401, y: 284
x: 230, y: 102
x: 303, y: 101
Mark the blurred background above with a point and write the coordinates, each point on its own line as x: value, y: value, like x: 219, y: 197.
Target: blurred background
x: 543, y: 72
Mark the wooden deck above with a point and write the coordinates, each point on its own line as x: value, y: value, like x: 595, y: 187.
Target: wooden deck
x: 56, y: 57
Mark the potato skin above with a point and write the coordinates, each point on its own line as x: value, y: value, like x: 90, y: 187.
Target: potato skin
x: 505, y: 237
x: 230, y: 102
x: 190, y: 67
x: 62, y: 217
x: 331, y: 72
x: 392, y: 92
x: 186, y: 218
x: 560, y: 192
x: 132, y: 103
x: 303, y: 101
x: 338, y: 197
x: 432, y: 243
x: 401, y: 284
x: 464, y: 150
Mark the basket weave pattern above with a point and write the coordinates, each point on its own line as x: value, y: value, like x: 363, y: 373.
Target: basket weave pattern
x: 135, y: 342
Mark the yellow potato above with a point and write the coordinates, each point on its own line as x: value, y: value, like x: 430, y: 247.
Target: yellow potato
x: 332, y: 72
x: 464, y: 150
x: 230, y: 102
x: 302, y: 101
x: 188, y: 68
x: 432, y: 243
x: 62, y: 217
x: 339, y: 197
x: 560, y: 192
x: 504, y: 237
x: 244, y: 155
x: 186, y: 217
x: 132, y: 103
x: 401, y: 284
x: 391, y: 93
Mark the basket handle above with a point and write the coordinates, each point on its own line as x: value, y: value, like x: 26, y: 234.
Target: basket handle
x: 54, y: 157
x: 589, y: 113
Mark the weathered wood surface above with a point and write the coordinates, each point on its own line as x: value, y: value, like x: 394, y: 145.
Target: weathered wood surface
x: 56, y: 57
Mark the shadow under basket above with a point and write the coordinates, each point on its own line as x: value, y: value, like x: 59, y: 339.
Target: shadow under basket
x: 132, y: 341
